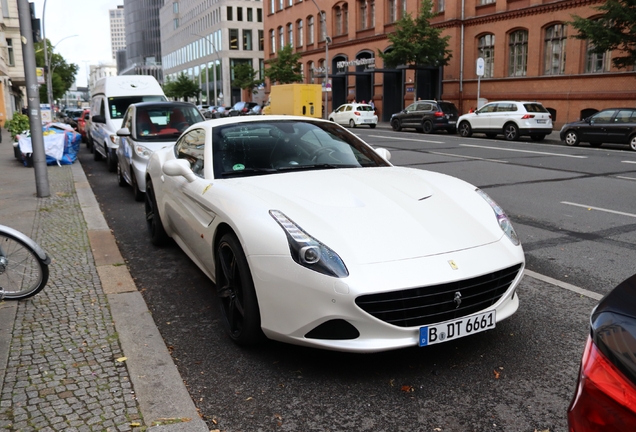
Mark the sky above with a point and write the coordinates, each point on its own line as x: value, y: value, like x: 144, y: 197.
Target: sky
x: 89, y: 20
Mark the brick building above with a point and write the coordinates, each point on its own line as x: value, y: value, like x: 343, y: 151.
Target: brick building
x: 526, y: 45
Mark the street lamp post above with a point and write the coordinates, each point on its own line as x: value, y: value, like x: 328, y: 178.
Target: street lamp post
x: 49, y: 93
x: 213, y: 70
x: 323, y: 16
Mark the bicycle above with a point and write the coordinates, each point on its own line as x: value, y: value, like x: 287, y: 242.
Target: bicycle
x: 24, y: 265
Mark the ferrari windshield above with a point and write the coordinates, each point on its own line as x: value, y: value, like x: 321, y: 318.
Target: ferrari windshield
x: 266, y: 147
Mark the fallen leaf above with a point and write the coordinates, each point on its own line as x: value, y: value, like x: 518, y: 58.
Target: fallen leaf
x: 278, y: 416
x: 407, y: 389
x: 122, y: 359
x: 496, y: 374
x: 249, y: 398
x: 135, y: 424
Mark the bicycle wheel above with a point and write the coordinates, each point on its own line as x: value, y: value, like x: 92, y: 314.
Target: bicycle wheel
x: 22, y: 273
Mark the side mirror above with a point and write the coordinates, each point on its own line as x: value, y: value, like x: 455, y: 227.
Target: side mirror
x: 179, y: 167
x: 384, y: 153
x: 123, y: 132
x: 99, y: 119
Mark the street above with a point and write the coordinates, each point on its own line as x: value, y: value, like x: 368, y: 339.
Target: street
x: 571, y: 209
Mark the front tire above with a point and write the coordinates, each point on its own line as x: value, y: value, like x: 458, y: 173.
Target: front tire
x: 427, y: 126
x: 97, y: 156
x: 111, y: 162
x: 158, y: 235
x: 22, y: 273
x: 395, y: 124
x: 571, y: 138
x: 465, y: 130
x: 235, y: 290
x: 511, y: 132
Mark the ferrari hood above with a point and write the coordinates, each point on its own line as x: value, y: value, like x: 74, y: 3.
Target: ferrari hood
x: 380, y: 214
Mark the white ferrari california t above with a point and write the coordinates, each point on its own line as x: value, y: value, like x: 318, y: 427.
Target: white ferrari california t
x: 312, y: 237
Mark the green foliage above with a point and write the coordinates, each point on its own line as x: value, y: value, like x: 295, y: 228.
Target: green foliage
x: 63, y: 73
x: 285, y: 68
x: 614, y: 30
x: 245, y: 77
x: 182, y: 87
x: 18, y: 124
x: 416, y: 42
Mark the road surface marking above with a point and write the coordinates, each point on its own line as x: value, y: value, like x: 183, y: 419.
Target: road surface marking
x: 564, y: 285
x: 524, y: 151
x: 466, y: 157
x: 599, y: 209
x: 406, y: 139
x: 634, y: 162
x: 626, y: 178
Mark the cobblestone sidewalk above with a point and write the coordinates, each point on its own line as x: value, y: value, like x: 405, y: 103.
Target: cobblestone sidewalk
x: 63, y: 371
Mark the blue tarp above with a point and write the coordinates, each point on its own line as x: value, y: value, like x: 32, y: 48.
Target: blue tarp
x: 61, y: 144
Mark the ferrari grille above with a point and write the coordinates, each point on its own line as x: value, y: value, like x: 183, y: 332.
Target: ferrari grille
x: 433, y: 304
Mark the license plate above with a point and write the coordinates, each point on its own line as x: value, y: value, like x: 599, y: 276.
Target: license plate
x: 451, y: 330
x: 368, y: 121
x: 541, y: 121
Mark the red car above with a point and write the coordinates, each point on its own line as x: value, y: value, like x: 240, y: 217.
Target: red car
x: 81, y: 123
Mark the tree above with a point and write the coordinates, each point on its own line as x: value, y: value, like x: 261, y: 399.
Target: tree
x: 614, y: 30
x: 285, y: 68
x: 182, y: 87
x: 416, y: 42
x: 63, y: 73
x: 245, y: 77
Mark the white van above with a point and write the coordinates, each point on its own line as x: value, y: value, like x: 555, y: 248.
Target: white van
x: 111, y: 96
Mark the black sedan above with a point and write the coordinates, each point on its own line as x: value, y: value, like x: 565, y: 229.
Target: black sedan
x: 615, y: 125
x: 605, y: 397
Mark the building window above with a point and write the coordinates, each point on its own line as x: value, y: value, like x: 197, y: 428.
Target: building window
x: 229, y: 13
x: 290, y: 34
x: 259, y: 15
x: 441, y: 4
x: 175, y: 23
x: 272, y: 41
x: 250, y: 15
x: 290, y: 2
x: 594, y: 62
x: 518, y: 53
x: 323, y: 28
x: 554, y: 55
x: 175, y: 7
x: 272, y: 6
x: 486, y: 50
x: 310, y: 30
x: 234, y: 43
x: 483, y: 2
x: 239, y: 14
x: 366, y: 10
x: 10, y: 52
x: 281, y: 37
x: 247, y: 40
x: 338, y: 21
x: 280, y: 4
x: 300, y: 30
x: 261, y: 42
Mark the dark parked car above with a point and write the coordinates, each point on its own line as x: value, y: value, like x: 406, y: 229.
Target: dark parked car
x: 615, y: 125
x: 241, y: 108
x: 605, y: 395
x: 427, y: 116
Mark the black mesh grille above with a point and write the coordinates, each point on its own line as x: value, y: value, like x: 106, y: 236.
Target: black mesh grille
x: 433, y: 304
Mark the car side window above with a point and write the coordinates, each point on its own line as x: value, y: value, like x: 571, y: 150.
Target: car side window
x: 488, y: 108
x: 424, y: 107
x: 102, y: 108
x: 341, y: 109
x: 191, y: 148
x: 127, y: 122
x: 602, y: 117
x: 625, y: 116
x: 411, y: 108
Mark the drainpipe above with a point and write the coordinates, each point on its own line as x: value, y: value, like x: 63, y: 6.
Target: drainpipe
x: 461, y: 62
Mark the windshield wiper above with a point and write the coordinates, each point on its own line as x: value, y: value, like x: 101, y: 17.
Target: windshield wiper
x: 316, y: 167
x: 248, y: 172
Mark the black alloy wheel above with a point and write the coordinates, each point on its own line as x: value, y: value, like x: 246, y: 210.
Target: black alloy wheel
x: 465, y: 130
x: 395, y: 124
x: 235, y: 290
x: 511, y: 132
x: 158, y: 235
x: 427, y: 126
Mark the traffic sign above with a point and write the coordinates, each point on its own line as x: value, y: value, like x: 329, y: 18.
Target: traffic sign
x: 480, y: 67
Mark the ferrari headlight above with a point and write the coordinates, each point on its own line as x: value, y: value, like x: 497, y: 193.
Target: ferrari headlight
x: 309, y: 252
x: 504, y: 222
x: 142, y: 152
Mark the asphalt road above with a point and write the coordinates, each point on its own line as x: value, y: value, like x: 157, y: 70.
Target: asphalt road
x: 518, y: 377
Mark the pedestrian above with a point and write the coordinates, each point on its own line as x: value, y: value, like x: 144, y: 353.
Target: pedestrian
x: 372, y: 104
x: 363, y: 102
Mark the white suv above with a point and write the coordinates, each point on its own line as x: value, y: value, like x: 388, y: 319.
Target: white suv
x: 508, y: 118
